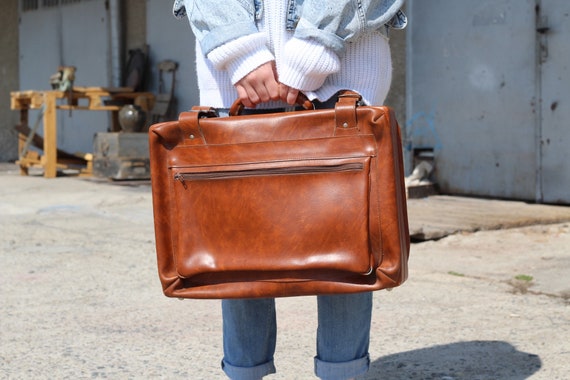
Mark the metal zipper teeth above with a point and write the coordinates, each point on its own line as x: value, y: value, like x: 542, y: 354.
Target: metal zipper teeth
x: 182, y: 177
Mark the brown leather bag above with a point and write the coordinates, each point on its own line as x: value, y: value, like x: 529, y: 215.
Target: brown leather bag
x: 283, y: 204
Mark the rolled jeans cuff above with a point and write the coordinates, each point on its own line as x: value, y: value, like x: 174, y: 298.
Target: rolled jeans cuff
x: 341, y: 371
x: 248, y: 373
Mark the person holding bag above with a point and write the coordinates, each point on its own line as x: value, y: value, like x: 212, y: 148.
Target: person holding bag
x: 264, y: 52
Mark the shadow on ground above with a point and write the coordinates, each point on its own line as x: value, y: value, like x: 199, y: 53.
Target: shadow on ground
x: 474, y: 360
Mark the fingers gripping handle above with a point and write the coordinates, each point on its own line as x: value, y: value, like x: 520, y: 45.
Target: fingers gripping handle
x: 302, y: 100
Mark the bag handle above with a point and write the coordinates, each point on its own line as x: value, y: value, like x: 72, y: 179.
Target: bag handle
x: 237, y: 107
x: 345, y: 113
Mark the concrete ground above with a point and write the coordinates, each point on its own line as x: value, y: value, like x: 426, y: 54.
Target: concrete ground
x: 81, y: 299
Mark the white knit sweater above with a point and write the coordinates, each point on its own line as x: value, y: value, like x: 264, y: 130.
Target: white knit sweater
x: 365, y: 66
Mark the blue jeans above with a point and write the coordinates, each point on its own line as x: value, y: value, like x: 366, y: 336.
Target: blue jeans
x: 343, y: 334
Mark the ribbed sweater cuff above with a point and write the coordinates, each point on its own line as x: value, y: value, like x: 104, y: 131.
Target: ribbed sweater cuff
x: 306, y: 64
x: 241, y: 56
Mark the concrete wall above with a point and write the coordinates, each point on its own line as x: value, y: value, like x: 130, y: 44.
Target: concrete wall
x: 8, y: 78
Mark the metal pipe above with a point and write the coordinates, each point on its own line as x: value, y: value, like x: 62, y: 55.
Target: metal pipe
x: 116, y: 39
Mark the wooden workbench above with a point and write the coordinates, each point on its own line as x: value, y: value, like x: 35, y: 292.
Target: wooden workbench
x: 82, y: 98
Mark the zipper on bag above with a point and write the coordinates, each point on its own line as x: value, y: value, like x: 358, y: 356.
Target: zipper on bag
x: 227, y: 174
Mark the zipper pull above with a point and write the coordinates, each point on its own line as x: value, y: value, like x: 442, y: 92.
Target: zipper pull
x: 180, y: 177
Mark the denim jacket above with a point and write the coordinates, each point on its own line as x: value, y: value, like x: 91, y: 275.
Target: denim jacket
x: 331, y: 23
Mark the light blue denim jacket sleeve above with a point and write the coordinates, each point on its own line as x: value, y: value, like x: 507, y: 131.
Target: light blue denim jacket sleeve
x: 332, y: 23
x: 215, y: 22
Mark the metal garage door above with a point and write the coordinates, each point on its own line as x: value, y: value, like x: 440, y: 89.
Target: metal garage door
x: 488, y: 93
x: 554, y: 28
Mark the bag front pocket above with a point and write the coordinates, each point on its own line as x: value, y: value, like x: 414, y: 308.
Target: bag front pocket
x: 284, y: 216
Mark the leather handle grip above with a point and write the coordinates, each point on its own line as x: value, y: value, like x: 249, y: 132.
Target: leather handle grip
x: 302, y: 100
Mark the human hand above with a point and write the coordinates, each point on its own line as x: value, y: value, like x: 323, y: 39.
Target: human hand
x: 259, y: 86
x: 288, y: 94
x: 262, y: 85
